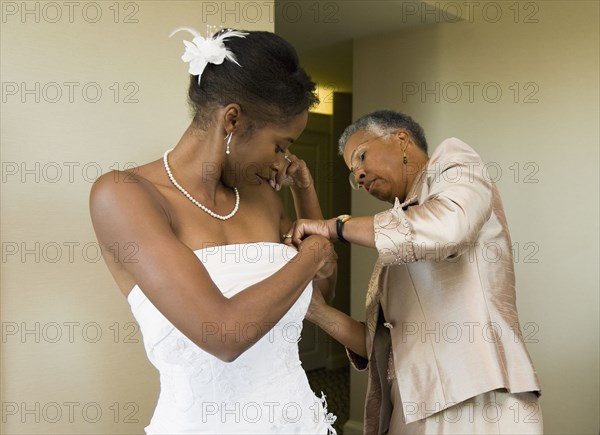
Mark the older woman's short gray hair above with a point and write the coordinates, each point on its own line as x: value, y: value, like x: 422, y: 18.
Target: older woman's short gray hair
x: 383, y: 122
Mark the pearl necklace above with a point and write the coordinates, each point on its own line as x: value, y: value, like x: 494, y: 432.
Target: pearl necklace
x: 191, y: 198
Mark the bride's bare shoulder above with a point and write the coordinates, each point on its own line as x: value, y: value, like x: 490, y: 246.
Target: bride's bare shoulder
x: 130, y: 191
x: 115, y: 184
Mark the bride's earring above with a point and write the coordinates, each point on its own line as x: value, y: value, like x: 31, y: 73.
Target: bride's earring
x: 228, y: 139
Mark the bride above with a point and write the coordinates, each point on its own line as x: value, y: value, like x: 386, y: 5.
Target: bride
x: 219, y: 298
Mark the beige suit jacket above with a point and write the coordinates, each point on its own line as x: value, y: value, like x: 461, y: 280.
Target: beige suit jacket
x: 444, y: 282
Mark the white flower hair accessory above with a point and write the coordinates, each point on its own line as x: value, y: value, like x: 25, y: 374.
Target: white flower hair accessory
x: 202, y: 51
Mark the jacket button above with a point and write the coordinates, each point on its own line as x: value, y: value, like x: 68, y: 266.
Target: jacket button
x: 388, y: 325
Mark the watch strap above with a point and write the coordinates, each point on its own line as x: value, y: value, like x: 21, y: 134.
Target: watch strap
x: 339, y: 227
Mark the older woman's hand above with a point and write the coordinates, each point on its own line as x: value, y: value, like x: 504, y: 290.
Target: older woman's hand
x: 303, y: 228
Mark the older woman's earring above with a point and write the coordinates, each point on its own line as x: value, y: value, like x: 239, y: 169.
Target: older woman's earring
x: 228, y: 139
x: 404, y: 159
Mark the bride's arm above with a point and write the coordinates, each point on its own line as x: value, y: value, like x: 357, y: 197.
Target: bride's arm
x: 172, y: 278
x: 306, y: 202
x: 307, y: 206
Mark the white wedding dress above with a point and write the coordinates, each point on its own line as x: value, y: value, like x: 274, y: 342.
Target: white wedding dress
x: 265, y: 390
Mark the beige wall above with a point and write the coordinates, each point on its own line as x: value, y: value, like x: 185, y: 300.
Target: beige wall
x: 545, y: 141
x: 69, y: 349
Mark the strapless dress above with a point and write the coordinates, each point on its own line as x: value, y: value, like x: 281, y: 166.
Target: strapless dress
x: 264, y: 391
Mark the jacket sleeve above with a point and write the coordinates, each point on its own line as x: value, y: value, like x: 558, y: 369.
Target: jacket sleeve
x: 448, y: 220
x: 357, y: 361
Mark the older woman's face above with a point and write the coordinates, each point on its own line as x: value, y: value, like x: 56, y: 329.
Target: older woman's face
x: 376, y: 162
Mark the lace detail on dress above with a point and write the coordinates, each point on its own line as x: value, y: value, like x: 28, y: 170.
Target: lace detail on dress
x: 329, y: 417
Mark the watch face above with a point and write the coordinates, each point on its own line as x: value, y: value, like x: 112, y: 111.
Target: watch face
x: 344, y: 217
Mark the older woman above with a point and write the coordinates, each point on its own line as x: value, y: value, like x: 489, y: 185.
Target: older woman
x: 442, y: 340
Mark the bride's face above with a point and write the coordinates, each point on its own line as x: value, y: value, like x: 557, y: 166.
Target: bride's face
x: 261, y: 156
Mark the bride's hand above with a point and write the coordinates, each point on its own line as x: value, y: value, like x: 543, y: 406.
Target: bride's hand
x: 329, y: 264
x: 294, y: 174
x: 322, y: 251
